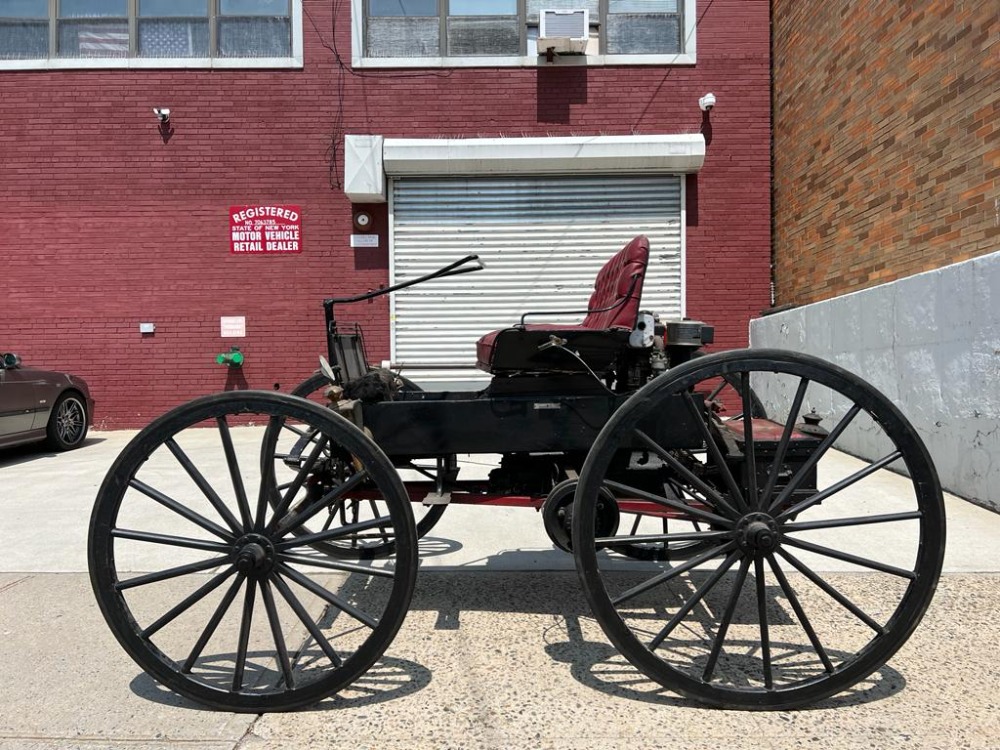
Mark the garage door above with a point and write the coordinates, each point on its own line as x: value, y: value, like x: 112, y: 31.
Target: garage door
x: 543, y: 240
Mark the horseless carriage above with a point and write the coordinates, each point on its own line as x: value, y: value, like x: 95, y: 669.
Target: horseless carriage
x: 717, y: 546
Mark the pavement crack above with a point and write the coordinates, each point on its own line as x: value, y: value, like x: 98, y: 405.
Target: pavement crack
x: 250, y: 737
x: 11, y: 584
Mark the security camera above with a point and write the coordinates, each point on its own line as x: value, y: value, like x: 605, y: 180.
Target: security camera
x: 707, y: 102
x: 162, y: 114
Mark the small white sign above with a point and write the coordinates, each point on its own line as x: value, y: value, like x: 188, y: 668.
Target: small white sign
x: 364, y: 240
x: 233, y: 328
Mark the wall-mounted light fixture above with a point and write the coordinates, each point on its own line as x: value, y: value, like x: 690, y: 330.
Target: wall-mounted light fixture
x: 162, y: 114
x: 707, y: 102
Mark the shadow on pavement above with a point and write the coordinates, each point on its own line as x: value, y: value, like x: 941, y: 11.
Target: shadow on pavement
x: 388, y: 680
x: 566, y: 633
x: 23, y: 454
x: 599, y: 666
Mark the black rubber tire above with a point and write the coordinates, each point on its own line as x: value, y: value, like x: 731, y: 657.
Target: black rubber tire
x: 253, y: 552
x: 758, y: 525
x: 426, y: 516
x: 68, y: 422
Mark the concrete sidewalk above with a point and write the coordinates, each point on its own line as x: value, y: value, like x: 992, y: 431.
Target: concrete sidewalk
x: 493, y: 654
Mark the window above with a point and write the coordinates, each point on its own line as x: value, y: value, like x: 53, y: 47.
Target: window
x: 150, y: 33
x: 254, y: 28
x: 482, y: 28
x: 638, y: 27
x: 24, y: 29
x: 173, y: 28
x: 403, y: 28
x: 92, y: 28
x: 413, y: 33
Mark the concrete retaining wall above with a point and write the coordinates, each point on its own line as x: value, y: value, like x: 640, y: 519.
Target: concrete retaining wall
x: 930, y: 342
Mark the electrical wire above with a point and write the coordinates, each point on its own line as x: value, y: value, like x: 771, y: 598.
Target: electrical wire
x: 342, y: 69
x: 687, y: 40
x: 337, y: 134
x: 580, y: 359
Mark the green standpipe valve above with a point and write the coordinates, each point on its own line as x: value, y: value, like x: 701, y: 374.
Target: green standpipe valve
x: 233, y: 358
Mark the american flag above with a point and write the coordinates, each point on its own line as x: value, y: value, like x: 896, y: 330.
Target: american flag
x: 173, y: 39
x: 103, y: 43
x: 156, y: 39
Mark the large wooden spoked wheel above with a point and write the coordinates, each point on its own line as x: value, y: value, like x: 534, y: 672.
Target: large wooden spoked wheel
x: 201, y: 575
x: 294, y: 445
x: 812, y: 570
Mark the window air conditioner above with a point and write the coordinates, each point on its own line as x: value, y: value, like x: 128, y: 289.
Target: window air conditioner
x: 563, y: 31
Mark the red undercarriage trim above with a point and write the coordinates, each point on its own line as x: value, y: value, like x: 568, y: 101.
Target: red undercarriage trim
x: 473, y: 495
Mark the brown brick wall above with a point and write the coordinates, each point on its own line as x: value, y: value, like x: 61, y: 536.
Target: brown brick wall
x: 886, y: 141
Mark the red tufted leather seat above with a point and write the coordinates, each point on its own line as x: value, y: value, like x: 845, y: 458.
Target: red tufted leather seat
x: 612, y: 313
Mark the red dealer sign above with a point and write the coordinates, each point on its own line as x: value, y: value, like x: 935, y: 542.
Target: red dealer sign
x: 265, y: 229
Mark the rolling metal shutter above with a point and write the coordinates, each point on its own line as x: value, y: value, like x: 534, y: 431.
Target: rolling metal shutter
x: 543, y: 240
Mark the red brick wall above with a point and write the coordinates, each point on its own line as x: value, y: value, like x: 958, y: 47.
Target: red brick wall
x: 106, y: 225
x: 886, y: 153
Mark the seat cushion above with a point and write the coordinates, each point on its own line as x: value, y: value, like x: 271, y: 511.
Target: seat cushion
x: 517, y: 349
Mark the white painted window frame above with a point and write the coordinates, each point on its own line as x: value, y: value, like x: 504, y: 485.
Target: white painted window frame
x: 296, y: 59
x: 688, y: 57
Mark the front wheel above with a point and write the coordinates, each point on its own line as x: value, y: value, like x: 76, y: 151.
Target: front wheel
x: 201, y: 571
x: 770, y: 612
x: 68, y: 422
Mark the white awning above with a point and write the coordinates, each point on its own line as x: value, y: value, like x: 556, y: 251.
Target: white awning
x: 374, y: 157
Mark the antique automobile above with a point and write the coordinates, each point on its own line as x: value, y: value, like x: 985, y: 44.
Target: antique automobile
x: 41, y: 405
x: 717, y: 542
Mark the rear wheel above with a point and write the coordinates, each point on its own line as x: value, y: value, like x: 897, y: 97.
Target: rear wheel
x: 294, y: 444
x: 189, y: 514
x: 770, y: 613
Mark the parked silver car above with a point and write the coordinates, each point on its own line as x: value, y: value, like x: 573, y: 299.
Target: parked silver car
x: 38, y: 405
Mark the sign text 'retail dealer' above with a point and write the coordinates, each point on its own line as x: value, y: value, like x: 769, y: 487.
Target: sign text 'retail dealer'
x: 260, y: 230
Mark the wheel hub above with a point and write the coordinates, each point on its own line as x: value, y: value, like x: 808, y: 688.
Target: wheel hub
x: 758, y: 532
x: 557, y: 515
x: 254, y: 555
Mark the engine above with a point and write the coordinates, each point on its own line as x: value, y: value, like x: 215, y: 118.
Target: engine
x: 656, y: 346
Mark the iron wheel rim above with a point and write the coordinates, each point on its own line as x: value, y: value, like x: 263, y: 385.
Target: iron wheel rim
x: 731, y: 554
x: 257, y: 566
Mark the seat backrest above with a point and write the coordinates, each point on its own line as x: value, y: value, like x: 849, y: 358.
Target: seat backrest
x: 619, y: 286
